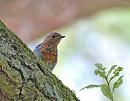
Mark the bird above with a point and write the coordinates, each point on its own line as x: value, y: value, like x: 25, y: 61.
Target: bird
x: 47, y: 50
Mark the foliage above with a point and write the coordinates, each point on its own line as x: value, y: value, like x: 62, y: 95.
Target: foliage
x: 108, y: 87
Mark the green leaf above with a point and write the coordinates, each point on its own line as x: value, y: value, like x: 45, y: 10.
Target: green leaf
x: 91, y: 86
x: 100, y: 71
x: 118, y: 82
x: 116, y: 73
x: 119, y: 69
x: 106, y: 91
x: 100, y: 66
x: 111, y: 69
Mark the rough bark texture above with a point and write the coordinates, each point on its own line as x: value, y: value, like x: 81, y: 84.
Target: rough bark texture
x: 23, y: 77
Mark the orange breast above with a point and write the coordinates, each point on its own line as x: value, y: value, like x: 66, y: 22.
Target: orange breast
x: 49, y: 57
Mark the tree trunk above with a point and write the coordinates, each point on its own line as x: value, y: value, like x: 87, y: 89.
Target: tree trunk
x: 23, y: 77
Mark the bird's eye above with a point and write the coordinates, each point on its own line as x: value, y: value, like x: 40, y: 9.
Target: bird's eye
x: 53, y: 36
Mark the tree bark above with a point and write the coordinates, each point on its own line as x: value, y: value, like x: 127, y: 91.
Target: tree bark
x: 24, y: 77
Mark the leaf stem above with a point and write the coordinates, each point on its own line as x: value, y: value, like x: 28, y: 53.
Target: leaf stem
x: 108, y: 83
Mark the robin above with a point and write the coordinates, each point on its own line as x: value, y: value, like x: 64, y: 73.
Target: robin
x: 47, y: 50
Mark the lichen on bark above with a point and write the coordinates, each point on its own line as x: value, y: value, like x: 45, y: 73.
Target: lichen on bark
x: 24, y: 77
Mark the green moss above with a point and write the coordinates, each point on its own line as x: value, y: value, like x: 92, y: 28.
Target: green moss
x: 6, y: 83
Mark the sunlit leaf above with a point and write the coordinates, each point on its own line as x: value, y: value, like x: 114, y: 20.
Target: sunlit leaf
x: 91, y: 86
x: 116, y: 73
x: 119, y: 69
x: 106, y: 91
x: 118, y: 82
x: 112, y: 73
x: 111, y: 69
x: 100, y: 66
x: 100, y: 71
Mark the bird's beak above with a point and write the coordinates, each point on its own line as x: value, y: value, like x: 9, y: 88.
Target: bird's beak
x: 62, y: 36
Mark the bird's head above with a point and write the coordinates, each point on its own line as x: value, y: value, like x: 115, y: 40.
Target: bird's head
x: 53, y: 39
